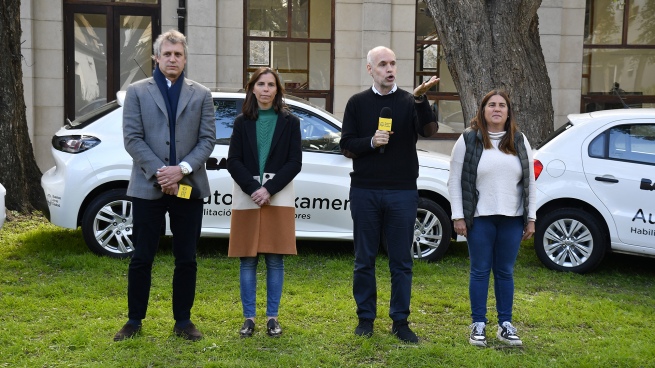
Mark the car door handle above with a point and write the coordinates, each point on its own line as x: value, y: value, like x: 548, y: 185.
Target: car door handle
x: 607, y: 180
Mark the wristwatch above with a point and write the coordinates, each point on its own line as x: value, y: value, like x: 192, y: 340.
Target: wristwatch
x: 419, y: 98
x: 184, y: 170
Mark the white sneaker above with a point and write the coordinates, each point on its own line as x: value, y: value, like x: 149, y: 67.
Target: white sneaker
x: 478, y: 334
x: 507, y: 334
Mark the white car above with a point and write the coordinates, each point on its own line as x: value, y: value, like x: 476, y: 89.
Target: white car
x: 3, y: 214
x: 87, y: 185
x: 595, y: 190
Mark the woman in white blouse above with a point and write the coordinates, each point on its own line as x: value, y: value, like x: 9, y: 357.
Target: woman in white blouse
x: 492, y: 194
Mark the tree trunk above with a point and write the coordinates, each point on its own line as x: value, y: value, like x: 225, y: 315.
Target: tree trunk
x: 495, y: 44
x: 19, y: 173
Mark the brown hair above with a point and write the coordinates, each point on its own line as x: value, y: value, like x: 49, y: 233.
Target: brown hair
x: 479, y: 123
x: 250, y: 107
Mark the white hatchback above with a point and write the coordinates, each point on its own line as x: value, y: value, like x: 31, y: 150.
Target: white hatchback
x: 87, y: 185
x: 595, y: 189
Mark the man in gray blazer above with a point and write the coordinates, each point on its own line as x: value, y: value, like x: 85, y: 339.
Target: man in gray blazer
x: 169, y: 130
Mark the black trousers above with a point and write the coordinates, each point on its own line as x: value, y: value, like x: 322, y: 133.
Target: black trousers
x: 393, y: 212
x: 186, y: 222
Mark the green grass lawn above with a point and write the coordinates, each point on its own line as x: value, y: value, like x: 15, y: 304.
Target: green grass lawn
x: 61, y: 305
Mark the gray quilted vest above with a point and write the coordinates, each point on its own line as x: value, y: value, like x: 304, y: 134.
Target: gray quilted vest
x: 474, y: 148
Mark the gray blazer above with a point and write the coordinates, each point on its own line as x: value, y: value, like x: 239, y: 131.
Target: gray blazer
x: 146, y: 136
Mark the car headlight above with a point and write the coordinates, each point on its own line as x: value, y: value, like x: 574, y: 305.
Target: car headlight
x: 74, y: 143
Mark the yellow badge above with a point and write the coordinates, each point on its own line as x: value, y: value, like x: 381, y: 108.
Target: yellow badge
x: 184, y: 191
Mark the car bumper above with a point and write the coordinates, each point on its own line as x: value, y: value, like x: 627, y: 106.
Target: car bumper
x: 64, y: 187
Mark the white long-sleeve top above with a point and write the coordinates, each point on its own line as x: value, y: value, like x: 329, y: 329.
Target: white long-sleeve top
x: 499, y: 181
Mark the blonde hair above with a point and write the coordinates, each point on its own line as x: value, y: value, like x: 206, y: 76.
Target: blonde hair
x: 173, y: 36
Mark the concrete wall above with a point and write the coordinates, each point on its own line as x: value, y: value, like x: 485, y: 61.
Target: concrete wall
x: 361, y: 26
x: 561, y: 25
x: 43, y: 73
x: 214, y: 31
x: 215, y: 35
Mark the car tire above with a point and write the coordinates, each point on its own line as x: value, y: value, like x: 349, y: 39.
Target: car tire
x: 569, y: 239
x: 432, y: 232
x: 107, y: 224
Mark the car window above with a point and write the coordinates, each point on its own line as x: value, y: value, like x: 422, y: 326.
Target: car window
x: 554, y: 134
x: 316, y: 133
x: 635, y: 143
x: 225, y: 111
x: 597, y: 147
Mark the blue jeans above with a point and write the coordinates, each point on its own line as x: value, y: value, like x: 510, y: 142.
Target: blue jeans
x: 493, y: 244
x: 393, y: 212
x: 274, y: 281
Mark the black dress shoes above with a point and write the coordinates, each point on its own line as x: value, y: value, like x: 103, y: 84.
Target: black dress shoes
x: 189, y: 332
x: 128, y: 331
x: 273, y: 328
x: 247, y: 329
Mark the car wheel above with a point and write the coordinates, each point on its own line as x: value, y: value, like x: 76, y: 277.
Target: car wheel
x: 569, y: 239
x: 432, y: 232
x: 107, y: 224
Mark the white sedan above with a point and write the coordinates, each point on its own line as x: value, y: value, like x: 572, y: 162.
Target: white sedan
x: 87, y: 185
x: 595, y: 189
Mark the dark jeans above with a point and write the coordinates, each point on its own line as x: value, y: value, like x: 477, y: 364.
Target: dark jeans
x: 394, y: 213
x: 186, y: 221
x: 493, y: 244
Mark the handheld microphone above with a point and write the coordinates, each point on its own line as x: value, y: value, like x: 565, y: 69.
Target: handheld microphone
x: 384, y: 123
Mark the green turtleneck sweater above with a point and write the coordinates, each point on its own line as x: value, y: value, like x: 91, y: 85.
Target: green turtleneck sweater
x: 265, y: 127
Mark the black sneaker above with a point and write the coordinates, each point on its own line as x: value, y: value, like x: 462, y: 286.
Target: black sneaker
x: 247, y: 329
x: 507, y: 334
x: 364, y: 328
x: 478, y: 335
x: 403, y: 332
x: 273, y: 328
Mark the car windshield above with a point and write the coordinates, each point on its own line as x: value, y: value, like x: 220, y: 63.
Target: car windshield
x: 92, y: 116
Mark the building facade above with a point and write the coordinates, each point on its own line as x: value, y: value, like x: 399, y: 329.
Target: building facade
x: 77, y: 54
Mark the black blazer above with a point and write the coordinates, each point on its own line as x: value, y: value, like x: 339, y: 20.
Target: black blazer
x: 284, y: 158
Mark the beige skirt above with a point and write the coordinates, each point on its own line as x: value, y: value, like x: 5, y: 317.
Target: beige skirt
x: 267, y: 229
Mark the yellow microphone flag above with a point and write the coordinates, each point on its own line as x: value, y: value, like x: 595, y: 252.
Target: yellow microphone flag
x: 384, y: 124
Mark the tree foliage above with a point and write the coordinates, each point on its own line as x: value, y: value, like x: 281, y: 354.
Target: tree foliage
x: 19, y: 173
x: 496, y: 44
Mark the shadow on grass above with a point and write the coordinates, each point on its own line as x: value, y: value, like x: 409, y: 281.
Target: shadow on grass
x: 70, y: 242
x: 48, y: 240
x: 53, y: 241
x: 627, y: 265
x: 612, y: 263
x: 457, y: 249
